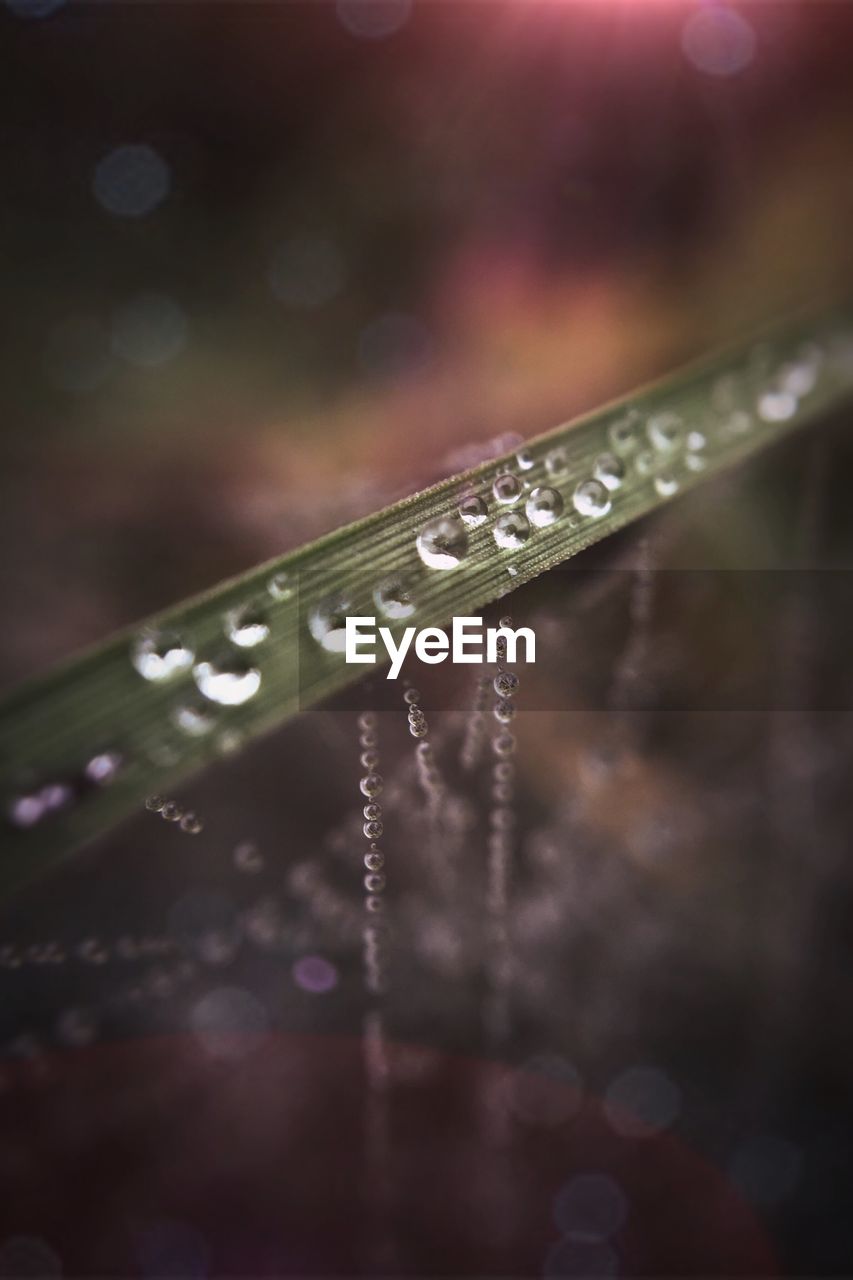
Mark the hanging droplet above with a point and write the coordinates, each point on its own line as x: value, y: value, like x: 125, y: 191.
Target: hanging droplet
x: 191, y: 824
x: 229, y: 680
x: 505, y: 683
x: 443, y: 543
x: 247, y: 625
x: 666, y: 484
x: 371, y: 785
x: 160, y: 655
x: 393, y: 597
x: 473, y: 510
x: 327, y: 622
x: 544, y: 506
x: 507, y: 488
x: 193, y: 719
x: 665, y: 431
x: 590, y: 498
x: 610, y: 470
x: 511, y: 530
x: 557, y: 462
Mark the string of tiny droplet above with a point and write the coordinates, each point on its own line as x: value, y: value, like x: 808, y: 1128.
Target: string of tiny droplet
x: 377, y: 1135
x: 502, y: 819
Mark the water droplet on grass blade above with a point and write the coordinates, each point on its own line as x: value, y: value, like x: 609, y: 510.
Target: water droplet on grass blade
x: 507, y: 488
x: 160, y: 655
x: 473, y: 510
x: 665, y: 431
x: 511, y: 530
x: 229, y: 679
x: 246, y: 625
x: 443, y: 543
x: 280, y: 586
x: 590, y: 498
x: 544, y: 506
x: 327, y: 622
x: 393, y: 597
x: 610, y: 470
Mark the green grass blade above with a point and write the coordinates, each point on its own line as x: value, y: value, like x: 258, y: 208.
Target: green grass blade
x: 51, y: 730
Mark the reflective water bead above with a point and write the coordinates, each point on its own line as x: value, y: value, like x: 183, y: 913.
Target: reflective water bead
x: 505, y: 683
x: 644, y: 462
x: 503, y: 744
x: 171, y: 811
x: 374, y: 882
x: 504, y: 710
x: 696, y: 441
x: 609, y: 469
x: 665, y: 431
x: 373, y: 830
x: 507, y: 488
x: 155, y: 803
x: 411, y: 696
x: 191, y: 824
x: 502, y: 792
x: 369, y: 760
x: 473, y: 510
x: 622, y: 433
x: 374, y: 903
x: 372, y: 811
x: 367, y: 720
x: 443, y: 543
x: 798, y: 378
x: 230, y: 679
x: 280, y: 586
x: 371, y: 785
x: 193, y: 719
x: 504, y: 770
x: 525, y: 459
x: 393, y: 597
x: 695, y: 461
x: 247, y: 625
x: 557, y: 462
x: 327, y: 622
x: 511, y: 530
x: 160, y: 655
x: 418, y: 728
x: 590, y: 498
x: 374, y: 860
x: 544, y: 506
x: 666, y: 484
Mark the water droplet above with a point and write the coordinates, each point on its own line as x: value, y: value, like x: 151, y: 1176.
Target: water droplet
x: 544, y: 506
x: 473, y: 510
x: 229, y: 679
x: 666, y: 484
x: 280, y: 586
x: 776, y: 406
x: 506, y: 488
x: 393, y: 597
x: 327, y: 622
x: 160, y: 655
x: 665, y: 431
x: 644, y: 462
x: 55, y: 796
x: 525, y: 459
x: 511, y: 530
x: 155, y: 803
x: 103, y: 767
x: 371, y: 785
x: 622, y: 433
x: 193, y: 719
x: 191, y: 824
x: 557, y: 462
x: 590, y: 498
x: 505, y: 683
x: 171, y: 811
x: 246, y: 625
x: 443, y: 543
x: 695, y: 461
x: 696, y: 440
x: 800, y: 377
x: 610, y: 470
x: 736, y: 423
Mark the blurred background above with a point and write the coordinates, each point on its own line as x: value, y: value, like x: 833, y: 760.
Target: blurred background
x: 269, y: 266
